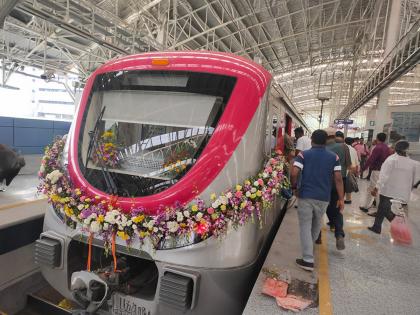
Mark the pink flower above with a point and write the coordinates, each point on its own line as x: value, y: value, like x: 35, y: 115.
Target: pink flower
x: 269, y: 169
x: 210, y: 210
x: 238, y: 194
x: 260, y: 182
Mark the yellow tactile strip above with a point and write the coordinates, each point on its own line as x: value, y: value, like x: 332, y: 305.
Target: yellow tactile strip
x: 20, y: 203
x: 325, y: 306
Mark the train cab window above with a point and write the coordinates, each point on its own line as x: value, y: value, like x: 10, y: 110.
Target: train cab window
x: 142, y: 131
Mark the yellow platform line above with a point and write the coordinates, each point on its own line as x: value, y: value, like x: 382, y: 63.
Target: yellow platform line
x: 21, y: 203
x: 325, y: 306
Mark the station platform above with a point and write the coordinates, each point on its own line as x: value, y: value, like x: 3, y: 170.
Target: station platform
x: 20, y: 201
x: 372, y: 276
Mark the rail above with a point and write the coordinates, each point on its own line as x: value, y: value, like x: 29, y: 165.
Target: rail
x: 404, y: 56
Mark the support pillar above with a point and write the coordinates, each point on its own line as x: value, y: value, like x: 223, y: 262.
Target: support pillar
x: 391, y: 39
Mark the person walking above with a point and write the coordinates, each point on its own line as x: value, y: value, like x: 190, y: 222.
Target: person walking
x: 302, y: 142
x: 354, y: 169
x: 375, y: 161
x: 335, y: 143
x: 318, y: 168
x: 396, y: 180
x: 362, y: 152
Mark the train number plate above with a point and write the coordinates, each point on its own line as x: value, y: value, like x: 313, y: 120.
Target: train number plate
x: 124, y: 305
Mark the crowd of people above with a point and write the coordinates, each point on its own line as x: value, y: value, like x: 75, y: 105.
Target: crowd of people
x: 323, y: 178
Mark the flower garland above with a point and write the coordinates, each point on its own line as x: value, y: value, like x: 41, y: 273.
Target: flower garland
x: 234, y: 207
x: 107, y: 150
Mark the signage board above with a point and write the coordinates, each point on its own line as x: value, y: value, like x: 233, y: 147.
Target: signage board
x: 343, y: 121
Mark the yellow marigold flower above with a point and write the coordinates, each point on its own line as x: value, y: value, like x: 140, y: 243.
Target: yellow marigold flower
x: 213, y: 196
x: 259, y: 193
x: 223, y: 207
x: 101, y: 218
x: 123, y: 235
x: 138, y: 219
x: 77, y: 191
x: 243, y: 204
x: 238, y: 187
x: 87, y: 200
x: 183, y: 225
x: 253, y: 196
x: 143, y: 234
x: 194, y: 208
x: 68, y: 211
x: 55, y: 197
x: 247, y: 182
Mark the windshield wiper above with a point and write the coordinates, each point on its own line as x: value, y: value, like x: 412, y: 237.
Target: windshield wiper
x: 93, y: 145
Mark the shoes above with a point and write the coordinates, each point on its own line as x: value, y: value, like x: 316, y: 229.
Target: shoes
x: 305, y: 265
x: 372, y: 214
x: 370, y: 228
x: 364, y: 209
x: 347, y: 202
x: 339, y: 243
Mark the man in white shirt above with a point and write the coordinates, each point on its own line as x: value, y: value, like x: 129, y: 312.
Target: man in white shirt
x: 396, y: 180
x: 302, y: 142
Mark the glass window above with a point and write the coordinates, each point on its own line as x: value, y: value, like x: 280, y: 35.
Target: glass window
x: 142, y: 131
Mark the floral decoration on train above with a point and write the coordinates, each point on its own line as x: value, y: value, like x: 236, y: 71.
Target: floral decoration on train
x: 199, y: 219
x: 106, y: 152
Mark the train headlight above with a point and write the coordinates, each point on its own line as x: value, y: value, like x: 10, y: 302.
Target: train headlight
x: 172, y: 242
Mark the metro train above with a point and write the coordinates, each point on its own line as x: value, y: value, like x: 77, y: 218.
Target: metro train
x: 180, y: 126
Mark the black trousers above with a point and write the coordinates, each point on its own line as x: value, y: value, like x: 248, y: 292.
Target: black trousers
x: 384, y: 211
x: 334, y: 214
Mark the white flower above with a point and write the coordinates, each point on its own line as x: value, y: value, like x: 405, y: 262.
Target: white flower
x: 274, y: 191
x: 199, y: 216
x: 149, y: 224
x: 253, y: 190
x: 59, y: 190
x: 81, y: 207
x: 155, y: 229
x: 106, y: 226
x: 129, y: 222
x: 248, y: 194
x: 186, y: 214
x: 223, y: 200
x: 179, y: 216
x: 229, y: 195
x: 172, y: 226
x: 274, y: 173
x: 256, y: 184
x: 95, y: 226
x: 134, y: 227
x: 54, y: 176
x: 216, y: 203
x: 265, y: 175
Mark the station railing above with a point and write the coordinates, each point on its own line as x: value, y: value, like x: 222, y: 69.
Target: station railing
x: 404, y: 56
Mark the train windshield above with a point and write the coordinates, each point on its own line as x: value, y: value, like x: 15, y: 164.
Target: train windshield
x: 142, y: 131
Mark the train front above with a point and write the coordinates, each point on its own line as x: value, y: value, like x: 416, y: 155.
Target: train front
x: 153, y: 192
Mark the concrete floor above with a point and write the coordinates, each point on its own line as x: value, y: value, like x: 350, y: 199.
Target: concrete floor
x: 23, y: 187
x: 372, y: 276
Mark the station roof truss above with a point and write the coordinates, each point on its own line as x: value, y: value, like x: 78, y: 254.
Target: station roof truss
x: 313, y: 48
